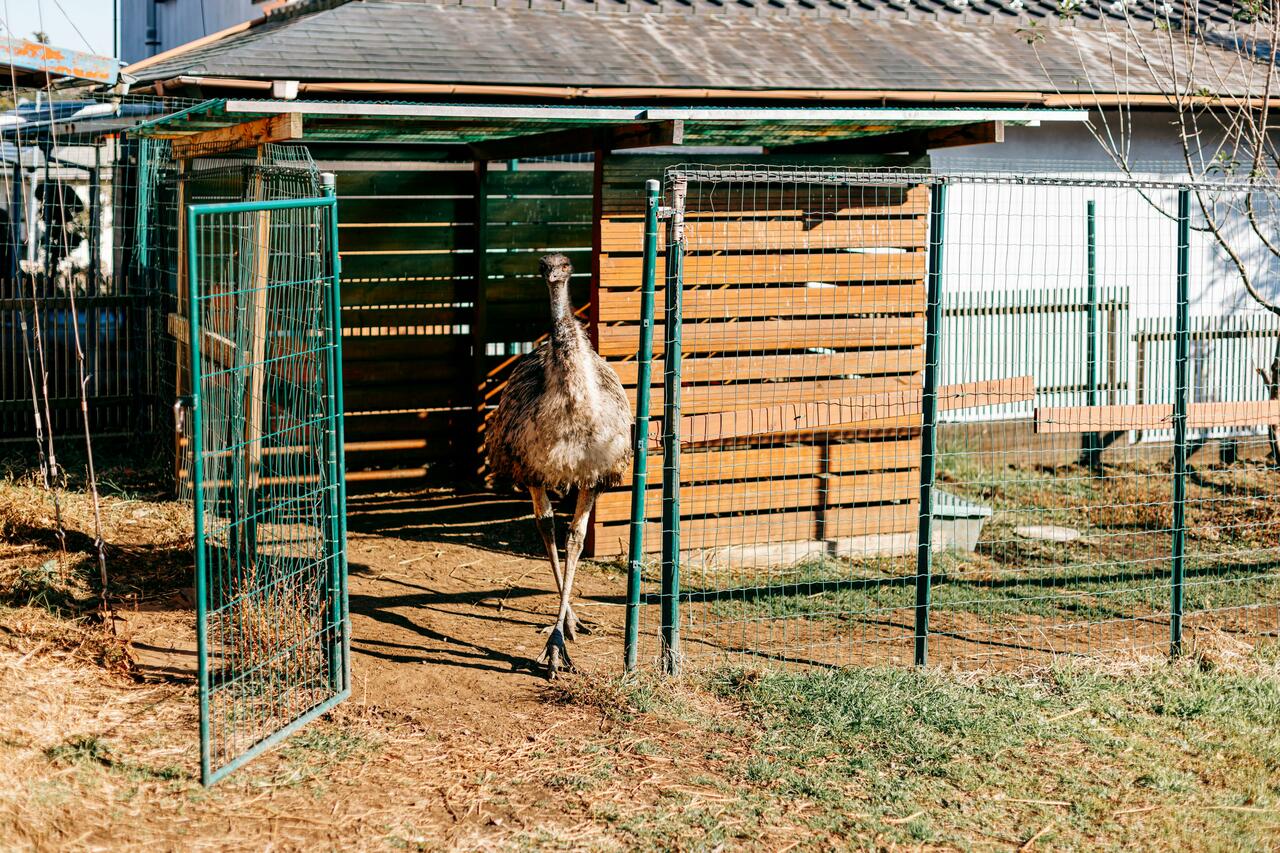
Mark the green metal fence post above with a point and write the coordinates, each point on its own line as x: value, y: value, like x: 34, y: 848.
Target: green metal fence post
x: 197, y: 496
x: 673, y: 320
x: 640, y: 475
x: 339, y: 408
x: 1182, y: 341
x: 1092, y: 440
x: 929, y: 421
x: 339, y: 668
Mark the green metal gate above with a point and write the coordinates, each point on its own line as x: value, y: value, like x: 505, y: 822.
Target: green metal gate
x: 262, y: 323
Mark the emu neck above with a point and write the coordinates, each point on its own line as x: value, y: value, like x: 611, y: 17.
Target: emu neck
x: 565, y: 331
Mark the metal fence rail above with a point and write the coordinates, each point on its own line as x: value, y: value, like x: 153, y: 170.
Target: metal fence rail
x: 267, y: 472
x: 958, y: 419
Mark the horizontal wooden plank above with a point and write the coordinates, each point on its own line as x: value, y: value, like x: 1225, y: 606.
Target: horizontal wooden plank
x: 703, y: 533
x: 698, y: 369
x: 399, y: 347
x: 771, y: 494
x: 566, y: 181
x: 622, y: 271
x: 414, y: 238
x: 700, y: 399
x: 746, y: 336
x: 428, y: 237
x: 757, y: 200
x: 435, y: 427
x: 363, y: 397
x: 539, y: 237
x: 381, y: 266
x: 404, y: 182
x: 424, y: 370
x: 460, y: 182
x: 217, y: 349
x: 771, y: 235
x: 410, y: 317
x: 551, y: 209
x: 703, y: 303
x: 849, y: 411
x: 758, y: 463
x: 368, y: 294
x: 365, y: 265
x: 1059, y: 419
x: 356, y: 211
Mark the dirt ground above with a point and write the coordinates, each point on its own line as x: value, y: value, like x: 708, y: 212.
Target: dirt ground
x: 452, y: 738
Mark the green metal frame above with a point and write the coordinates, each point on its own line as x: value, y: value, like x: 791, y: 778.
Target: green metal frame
x: 337, y: 629
x: 674, y: 328
x: 929, y: 421
x: 640, y: 475
x: 1092, y: 440
x: 1182, y: 346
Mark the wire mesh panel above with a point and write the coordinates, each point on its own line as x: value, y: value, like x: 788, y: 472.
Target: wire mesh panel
x: 962, y: 418
x: 265, y: 346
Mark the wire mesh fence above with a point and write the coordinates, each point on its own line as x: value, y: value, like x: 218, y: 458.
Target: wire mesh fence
x: 69, y: 179
x: 959, y: 418
x: 262, y: 324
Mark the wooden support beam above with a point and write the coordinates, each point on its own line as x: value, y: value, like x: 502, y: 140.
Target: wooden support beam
x: 911, y: 141
x: 250, y: 134
x: 846, y: 413
x: 1060, y: 419
x: 578, y: 139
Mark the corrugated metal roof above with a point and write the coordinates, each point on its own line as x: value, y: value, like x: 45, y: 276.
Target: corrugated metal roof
x: 923, y: 45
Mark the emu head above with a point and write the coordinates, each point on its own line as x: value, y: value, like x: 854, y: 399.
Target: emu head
x: 556, y: 269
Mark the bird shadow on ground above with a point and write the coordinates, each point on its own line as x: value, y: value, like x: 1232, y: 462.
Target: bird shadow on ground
x: 497, y: 522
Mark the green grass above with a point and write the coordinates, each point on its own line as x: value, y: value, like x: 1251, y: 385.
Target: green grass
x: 1146, y: 756
x: 1117, y: 569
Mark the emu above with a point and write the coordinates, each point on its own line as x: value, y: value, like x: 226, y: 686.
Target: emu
x: 563, y: 421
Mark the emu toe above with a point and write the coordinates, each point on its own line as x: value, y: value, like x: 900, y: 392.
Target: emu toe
x: 555, y: 656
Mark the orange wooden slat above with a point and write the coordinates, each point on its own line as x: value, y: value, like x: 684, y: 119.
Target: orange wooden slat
x: 696, y: 369
x: 774, y: 302
x: 765, y: 462
x: 1058, y: 419
x: 771, y: 235
x: 760, y: 336
x: 701, y: 533
x: 848, y: 411
x: 623, y: 270
x: 759, y: 495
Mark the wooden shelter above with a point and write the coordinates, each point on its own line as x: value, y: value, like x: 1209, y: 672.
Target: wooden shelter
x: 440, y: 231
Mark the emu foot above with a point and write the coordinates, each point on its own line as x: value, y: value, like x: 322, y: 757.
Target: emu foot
x: 555, y: 656
x: 573, y: 626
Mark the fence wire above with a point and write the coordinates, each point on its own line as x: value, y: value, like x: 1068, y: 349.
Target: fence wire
x: 960, y: 418
x: 269, y: 502
x: 70, y: 185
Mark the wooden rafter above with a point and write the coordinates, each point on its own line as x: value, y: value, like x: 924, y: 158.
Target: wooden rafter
x: 912, y: 141
x: 579, y: 139
x: 277, y: 128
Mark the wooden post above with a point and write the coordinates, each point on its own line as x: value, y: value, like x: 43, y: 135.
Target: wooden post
x: 256, y: 314
x: 183, y: 360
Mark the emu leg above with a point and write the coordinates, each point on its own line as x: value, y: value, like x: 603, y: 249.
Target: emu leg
x: 545, y: 518
x: 556, y: 654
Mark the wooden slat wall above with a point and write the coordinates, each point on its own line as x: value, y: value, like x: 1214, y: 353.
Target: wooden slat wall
x: 793, y: 293
x: 407, y: 240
